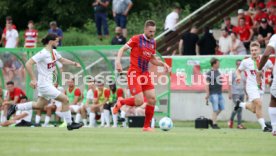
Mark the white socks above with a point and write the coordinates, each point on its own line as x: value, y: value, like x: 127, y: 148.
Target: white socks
x: 114, y: 118
x: 102, y: 119
x: 47, y: 120
x: 152, y: 123
x: 107, y: 117
x: 84, y: 122
x: 272, y: 114
x: 37, y: 119
x: 123, y: 115
x: 92, y: 121
x: 67, y: 117
x: 3, y: 117
x: 262, y: 122
x: 78, y: 118
x: 25, y: 106
x: 243, y: 105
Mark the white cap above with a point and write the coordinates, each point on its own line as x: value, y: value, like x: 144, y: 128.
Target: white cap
x: 240, y: 11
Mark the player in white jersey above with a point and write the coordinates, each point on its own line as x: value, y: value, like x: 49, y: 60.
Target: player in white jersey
x: 271, y: 47
x: 46, y: 64
x: 253, y: 86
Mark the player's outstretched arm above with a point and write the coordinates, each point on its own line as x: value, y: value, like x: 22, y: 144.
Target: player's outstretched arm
x: 265, y: 57
x: 157, y: 62
x: 119, y: 56
x: 67, y: 61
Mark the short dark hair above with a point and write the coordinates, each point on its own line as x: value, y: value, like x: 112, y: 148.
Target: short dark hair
x: 213, y: 61
x: 10, y: 83
x: 238, y: 60
x: 150, y: 23
x: 31, y: 21
x: 49, y: 37
x: 23, y: 97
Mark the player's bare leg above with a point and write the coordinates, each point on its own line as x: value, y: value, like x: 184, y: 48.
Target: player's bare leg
x: 255, y: 107
x: 272, y: 114
x: 66, y: 113
x: 83, y: 112
x: 149, y: 110
x: 37, y: 117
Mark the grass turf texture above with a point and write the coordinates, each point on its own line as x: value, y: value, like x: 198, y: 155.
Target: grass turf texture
x: 133, y: 142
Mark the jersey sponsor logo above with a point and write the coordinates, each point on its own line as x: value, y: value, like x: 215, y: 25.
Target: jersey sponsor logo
x: 147, y: 54
x: 51, y: 65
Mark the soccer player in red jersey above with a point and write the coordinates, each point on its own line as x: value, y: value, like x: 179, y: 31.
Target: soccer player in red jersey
x: 143, y: 49
x: 30, y: 36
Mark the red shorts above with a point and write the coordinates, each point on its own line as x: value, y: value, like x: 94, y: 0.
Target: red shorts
x: 139, y: 82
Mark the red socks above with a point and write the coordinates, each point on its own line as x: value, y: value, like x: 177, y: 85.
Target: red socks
x: 149, y: 112
x: 128, y: 101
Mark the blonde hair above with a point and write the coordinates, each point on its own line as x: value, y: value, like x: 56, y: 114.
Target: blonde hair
x: 255, y: 44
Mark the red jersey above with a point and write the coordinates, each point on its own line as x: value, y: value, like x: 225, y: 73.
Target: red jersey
x: 120, y: 92
x: 271, y: 3
x: 30, y: 38
x: 258, y: 17
x: 244, y: 32
x: 248, y: 20
x: 255, y: 5
x: 16, y: 92
x: 272, y: 18
x: 142, y: 50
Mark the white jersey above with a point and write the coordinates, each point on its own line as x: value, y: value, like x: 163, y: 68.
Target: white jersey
x: 90, y: 95
x: 46, y: 65
x: 249, y: 66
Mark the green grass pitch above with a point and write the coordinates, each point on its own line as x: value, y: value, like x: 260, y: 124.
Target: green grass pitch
x: 180, y: 141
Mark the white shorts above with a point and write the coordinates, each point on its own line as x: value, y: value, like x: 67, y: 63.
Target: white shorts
x: 58, y: 104
x: 253, y: 93
x: 48, y: 92
x: 27, y: 118
x: 75, y: 108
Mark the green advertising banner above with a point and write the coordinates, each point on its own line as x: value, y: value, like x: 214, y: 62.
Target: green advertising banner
x: 194, y: 67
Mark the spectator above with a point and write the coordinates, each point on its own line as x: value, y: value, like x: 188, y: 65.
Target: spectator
x: 173, y: 17
x: 118, y: 39
x: 207, y: 43
x: 253, y: 4
x: 245, y: 32
x: 188, y: 44
x: 236, y: 91
x: 264, y: 32
x: 11, y: 36
x: 247, y: 18
x: 8, y: 20
x: 30, y: 36
x: 120, y: 11
x: 54, y: 29
x: 214, y: 91
x: 272, y: 18
x: 236, y: 46
x: 228, y: 26
x: 100, y: 8
x: 259, y: 16
x: 224, y: 42
x: 270, y: 4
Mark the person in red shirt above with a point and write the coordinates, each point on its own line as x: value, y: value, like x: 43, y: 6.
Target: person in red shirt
x: 143, y: 50
x: 259, y: 16
x: 101, y: 97
x: 269, y: 4
x: 30, y: 36
x: 248, y: 19
x: 245, y: 32
x: 13, y: 96
x: 253, y: 4
x: 272, y: 17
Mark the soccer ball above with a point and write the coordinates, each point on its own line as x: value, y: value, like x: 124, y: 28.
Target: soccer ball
x: 166, y: 124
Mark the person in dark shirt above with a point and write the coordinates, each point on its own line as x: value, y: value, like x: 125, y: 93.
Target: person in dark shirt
x: 188, y: 43
x: 265, y: 31
x: 228, y: 26
x: 118, y: 39
x: 214, y: 90
x: 100, y: 8
x: 207, y: 43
